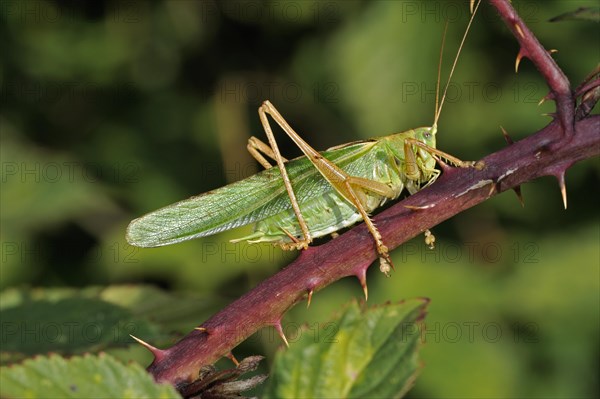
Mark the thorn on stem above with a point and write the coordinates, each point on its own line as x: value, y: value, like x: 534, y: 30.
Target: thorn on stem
x: 519, y: 31
x: 507, y: 137
x: 362, y: 279
x: 547, y: 97
x: 492, y: 189
x: 232, y: 358
x: 520, y: 55
x: 443, y: 165
x: 563, y: 188
x: 201, y: 329
x: 310, y: 294
x: 517, y: 191
x: 158, y: 353
x: 279, y: 329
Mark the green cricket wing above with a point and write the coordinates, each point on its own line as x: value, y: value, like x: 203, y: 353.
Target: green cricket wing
x: 246, y: 201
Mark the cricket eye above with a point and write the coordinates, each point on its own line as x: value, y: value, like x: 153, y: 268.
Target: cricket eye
x: 427, y: 135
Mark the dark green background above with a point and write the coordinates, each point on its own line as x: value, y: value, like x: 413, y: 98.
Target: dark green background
x: 113, y: 109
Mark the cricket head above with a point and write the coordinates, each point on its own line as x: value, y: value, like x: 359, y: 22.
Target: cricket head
x: 426, y: 135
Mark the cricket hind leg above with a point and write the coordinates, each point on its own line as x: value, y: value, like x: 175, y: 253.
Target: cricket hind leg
x: 358, y: 198
x: 274, y: 153
x: 256, y: 147
x: 350, y: 187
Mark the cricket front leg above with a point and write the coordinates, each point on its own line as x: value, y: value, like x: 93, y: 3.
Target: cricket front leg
x: 413, y: 173
x: 441, y: 154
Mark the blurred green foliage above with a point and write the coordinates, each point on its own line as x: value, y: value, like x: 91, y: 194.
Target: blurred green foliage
x: 114, y: 108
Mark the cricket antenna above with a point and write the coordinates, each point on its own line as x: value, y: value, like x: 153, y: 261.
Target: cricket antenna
x: 438, y: 109
x: 439, y: 76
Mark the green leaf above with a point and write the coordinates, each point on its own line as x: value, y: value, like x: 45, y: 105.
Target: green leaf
x: 68, y: 321
x: 370, y: 353
x: 172, y: 312
x: 80, y: 377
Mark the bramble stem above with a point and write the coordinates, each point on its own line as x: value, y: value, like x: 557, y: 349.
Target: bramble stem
x: 548, y: 152
x: 353, y: 252
x: 531, y: 48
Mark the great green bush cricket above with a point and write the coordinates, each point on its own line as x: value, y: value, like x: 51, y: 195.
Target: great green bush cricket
x: 321, y: 192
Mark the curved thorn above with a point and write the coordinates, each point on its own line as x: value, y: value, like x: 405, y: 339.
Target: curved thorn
x: 547, y: 97
x: 362, y: 278
x: 201, y: 329
x: 563, y: 187
x: 279, y: 329
x: 517, y: 191
x: 520, y: 55
x: 158, y: 353
x: 232, y: 358
x: 310, y: 294
x: 443, y: 165
x: 507, y: 138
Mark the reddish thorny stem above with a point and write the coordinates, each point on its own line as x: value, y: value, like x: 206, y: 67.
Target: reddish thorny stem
x: 548, y: 152
x: 560, y: 88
